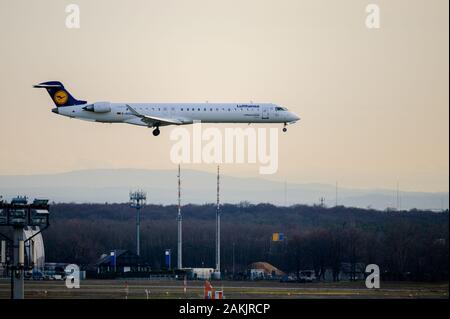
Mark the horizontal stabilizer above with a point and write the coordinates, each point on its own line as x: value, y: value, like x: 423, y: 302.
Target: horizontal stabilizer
x: 60, y: 96
x: 47, y: 86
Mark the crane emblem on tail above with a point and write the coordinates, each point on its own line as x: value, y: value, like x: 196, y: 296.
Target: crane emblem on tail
x: 60, y: 97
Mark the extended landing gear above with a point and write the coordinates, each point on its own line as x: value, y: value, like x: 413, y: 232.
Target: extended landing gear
x: 284, y: 128
x: 156, y: 131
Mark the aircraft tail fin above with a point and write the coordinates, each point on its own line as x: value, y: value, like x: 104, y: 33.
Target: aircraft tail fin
x: 60, y: 96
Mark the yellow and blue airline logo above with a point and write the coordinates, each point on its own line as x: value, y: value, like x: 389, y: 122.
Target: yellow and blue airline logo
x: 60, y: 97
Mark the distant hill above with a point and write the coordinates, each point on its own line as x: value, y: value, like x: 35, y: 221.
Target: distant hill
x: 113, y: 186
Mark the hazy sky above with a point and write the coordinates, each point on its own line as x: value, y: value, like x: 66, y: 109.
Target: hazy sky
x: 373, y: 103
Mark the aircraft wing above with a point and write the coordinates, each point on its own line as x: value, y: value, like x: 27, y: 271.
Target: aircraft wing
x: 153, y: 120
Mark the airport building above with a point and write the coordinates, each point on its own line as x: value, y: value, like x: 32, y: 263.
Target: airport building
x: 199, y: 273
x: 263, y: 270
x: 34, y: 253
x: 121, y: 261
x: 34, y: 250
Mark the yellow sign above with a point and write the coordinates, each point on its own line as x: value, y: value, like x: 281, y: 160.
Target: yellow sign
x: 278, y: 237
x: 60, y: 97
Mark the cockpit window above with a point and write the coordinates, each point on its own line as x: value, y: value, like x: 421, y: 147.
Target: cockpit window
x: 279, y: 108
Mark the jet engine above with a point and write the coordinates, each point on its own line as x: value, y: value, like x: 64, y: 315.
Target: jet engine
x: 98, y: 107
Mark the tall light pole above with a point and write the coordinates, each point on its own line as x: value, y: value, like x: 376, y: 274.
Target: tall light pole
x: 180, y: 224
x: 218, y: 224
x: 19, y: 214
x: 137, y: 200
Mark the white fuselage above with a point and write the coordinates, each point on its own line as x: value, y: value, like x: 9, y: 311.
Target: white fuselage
x: 182, y: 113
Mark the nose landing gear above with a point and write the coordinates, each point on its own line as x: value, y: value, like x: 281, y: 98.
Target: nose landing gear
x: 156, y: 131
x: 284, y: 128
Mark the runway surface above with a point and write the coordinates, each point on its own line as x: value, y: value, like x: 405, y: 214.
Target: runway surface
x: 142, y: 289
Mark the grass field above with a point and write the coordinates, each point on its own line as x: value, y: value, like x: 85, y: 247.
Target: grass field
x: 136, y: 289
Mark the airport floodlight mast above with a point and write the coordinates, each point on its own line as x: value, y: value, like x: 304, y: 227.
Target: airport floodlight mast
x: 218, y: 224
x: 180, y: 221
x: 19, y: 214
x: 137, y: 200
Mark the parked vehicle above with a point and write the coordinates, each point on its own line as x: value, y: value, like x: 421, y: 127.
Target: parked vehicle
x: 37, y: 275
x: 287, y: 278
x: 307, y: 276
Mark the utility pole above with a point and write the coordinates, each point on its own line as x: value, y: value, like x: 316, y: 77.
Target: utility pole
x: 19, y: 260
x: 179, y: 221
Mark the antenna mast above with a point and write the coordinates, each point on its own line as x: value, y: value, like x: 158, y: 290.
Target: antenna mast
x: 218, y: 222
x: 180, y: 221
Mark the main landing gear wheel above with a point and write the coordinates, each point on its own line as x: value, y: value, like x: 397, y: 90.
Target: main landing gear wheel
x: 284, y: 128
x: 156, y: 132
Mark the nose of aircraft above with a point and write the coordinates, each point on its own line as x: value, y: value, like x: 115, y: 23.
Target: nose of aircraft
x: 293, y: 117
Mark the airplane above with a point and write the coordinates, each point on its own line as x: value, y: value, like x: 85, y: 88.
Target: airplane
x: 154, y: 115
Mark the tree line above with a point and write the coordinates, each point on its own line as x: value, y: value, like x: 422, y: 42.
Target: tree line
x: 407, y: 245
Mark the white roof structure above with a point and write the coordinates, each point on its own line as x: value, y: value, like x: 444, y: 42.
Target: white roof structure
x: 35, y: 249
